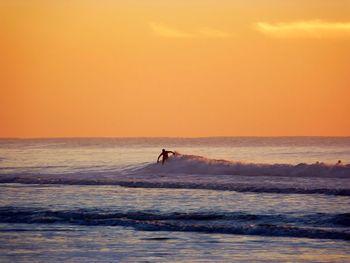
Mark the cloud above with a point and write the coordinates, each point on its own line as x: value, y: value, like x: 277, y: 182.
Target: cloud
x: 313, y: 29
x: 163, y: 30
x: 166, y: 31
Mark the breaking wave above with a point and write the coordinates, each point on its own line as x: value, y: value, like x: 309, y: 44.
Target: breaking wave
x: 322, y: 226
x: 196, y: 172
x: 193, y: 164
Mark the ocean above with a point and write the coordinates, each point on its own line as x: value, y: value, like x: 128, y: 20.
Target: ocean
x: 221, y: 199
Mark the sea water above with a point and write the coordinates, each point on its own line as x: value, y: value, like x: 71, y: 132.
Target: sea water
x: 239, y: 199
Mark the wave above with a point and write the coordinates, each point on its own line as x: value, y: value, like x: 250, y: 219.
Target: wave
x: 321, y: 226
x: 193, y: 164
x: 178, y: 185
x: 196, y: 172
x: 199, y: 165
x: 31, y: 167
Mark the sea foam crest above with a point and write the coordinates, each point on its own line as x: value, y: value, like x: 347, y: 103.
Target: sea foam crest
x: 193, y: 164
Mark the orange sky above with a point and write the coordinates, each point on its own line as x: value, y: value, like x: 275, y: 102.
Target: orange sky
x: 174, y: 68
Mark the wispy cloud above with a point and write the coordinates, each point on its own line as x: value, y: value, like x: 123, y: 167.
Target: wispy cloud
x: 163, y: 30
x: 166, y: 31
x: 313, y: 29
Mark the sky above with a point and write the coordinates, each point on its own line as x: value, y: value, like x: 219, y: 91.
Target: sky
x: 175, y: 68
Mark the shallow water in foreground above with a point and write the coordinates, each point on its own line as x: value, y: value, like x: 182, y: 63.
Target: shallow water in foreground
x: 105, y: 223
x: 113, y: 244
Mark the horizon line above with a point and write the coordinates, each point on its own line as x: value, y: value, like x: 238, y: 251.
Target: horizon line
x: 175, y: 137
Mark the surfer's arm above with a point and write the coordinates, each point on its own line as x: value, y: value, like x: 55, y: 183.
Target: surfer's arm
x: 171, y: 152
x: 159, y: 157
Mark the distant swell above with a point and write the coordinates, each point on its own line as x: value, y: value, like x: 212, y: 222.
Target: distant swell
x: 312, y: 225
x: 179, y: 185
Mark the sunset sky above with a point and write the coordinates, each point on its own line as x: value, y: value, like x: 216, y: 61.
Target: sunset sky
x: 108, y: 68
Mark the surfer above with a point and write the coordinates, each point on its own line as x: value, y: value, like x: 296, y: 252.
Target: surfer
x: 165, y: 155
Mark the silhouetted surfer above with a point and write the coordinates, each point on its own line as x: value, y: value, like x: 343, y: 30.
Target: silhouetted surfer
x: 165, y: 155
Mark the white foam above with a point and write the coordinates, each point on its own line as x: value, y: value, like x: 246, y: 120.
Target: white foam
x: 192, y: 164
x: 196, y: 172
